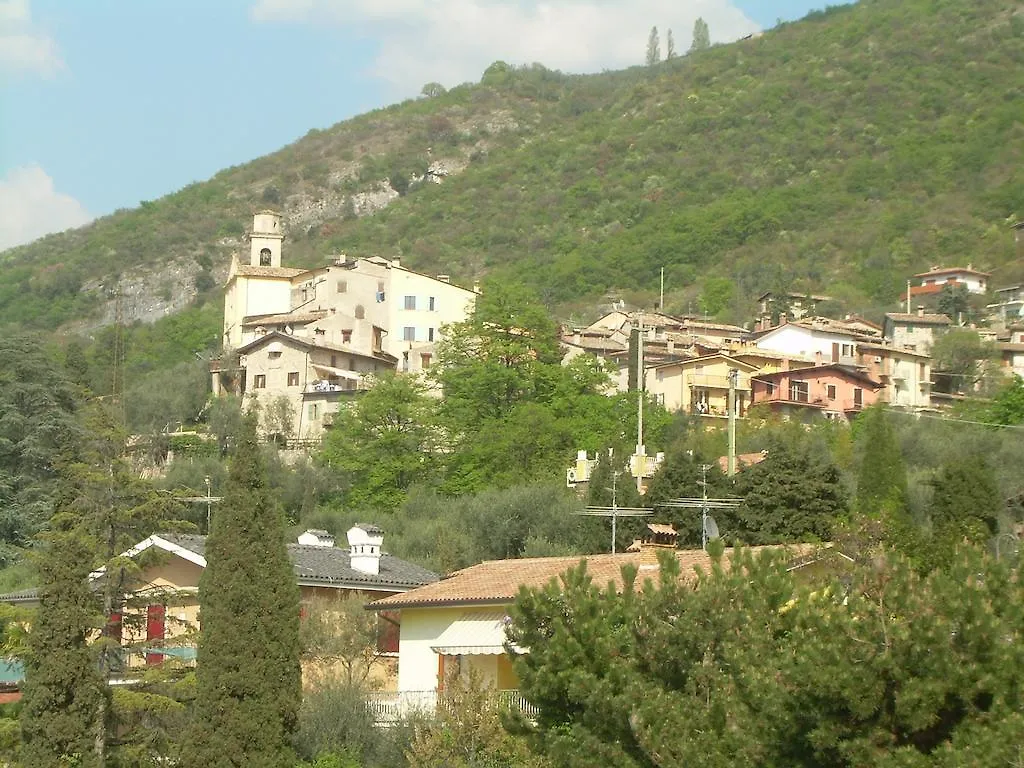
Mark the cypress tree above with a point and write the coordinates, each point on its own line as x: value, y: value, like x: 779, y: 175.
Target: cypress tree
x: 64, y: 693
x: 248, y: 677
x: 881, y: 474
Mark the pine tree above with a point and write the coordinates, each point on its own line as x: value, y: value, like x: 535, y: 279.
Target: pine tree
x: 64, y: 693
x: 670, y: 46
x: 248, y: 676
x: 701, y: 36
x: 653, y: 48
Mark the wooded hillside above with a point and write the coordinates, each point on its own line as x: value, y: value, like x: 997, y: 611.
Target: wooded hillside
x: 841, y: 152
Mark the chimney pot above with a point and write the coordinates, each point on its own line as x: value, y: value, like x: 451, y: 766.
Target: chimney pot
x: 364, y: 546
x: 920, y: 310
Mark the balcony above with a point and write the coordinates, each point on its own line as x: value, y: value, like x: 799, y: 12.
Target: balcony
x: 716, y: 382
x: 390, y: 707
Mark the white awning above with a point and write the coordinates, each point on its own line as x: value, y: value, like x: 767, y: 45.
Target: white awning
x: 474, y: 634
x: 340, y: 373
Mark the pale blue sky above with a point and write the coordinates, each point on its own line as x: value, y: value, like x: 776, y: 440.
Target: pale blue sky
x: 105, y: 103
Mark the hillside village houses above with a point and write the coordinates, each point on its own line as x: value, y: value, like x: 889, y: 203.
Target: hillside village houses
x: 301, y: 340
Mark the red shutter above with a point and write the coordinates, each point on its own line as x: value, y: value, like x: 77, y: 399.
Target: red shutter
x: 156, y: 628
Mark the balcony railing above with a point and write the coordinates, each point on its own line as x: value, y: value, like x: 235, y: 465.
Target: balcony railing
x: 391, y: 707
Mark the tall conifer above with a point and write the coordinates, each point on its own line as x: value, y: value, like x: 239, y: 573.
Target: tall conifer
x: 64, y: 694
x: 248, y: 676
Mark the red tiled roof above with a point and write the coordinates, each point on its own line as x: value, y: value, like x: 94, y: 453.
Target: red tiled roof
x: 498, y: 581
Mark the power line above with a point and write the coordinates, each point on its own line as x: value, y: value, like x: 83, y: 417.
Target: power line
x: 953, y: 420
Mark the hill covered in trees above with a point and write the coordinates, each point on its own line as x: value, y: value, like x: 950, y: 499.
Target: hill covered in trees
x: 843, y: 151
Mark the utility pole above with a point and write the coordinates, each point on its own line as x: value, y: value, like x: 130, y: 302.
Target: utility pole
x: 908, y: 297
x: 641, y: 460
x: 661, y: 297
x: 733, y: 376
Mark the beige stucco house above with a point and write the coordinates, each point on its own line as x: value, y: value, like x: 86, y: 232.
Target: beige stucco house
x: 298, y: 383
x: 701, y: 385
x: 459, y: 623
x: 174, y: 563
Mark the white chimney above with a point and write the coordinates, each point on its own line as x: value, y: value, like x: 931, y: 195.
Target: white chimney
x: 364, y: 548
x: 316, y: 537
x: 444, y: 278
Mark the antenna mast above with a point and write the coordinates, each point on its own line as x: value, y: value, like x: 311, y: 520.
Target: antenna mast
x: 615, y: 511
x: 708, y: 527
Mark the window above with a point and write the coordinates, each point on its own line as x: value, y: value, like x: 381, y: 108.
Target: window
x: 314, y: 411
x: 847, y: 350
x: 410, y: 302
x: 799, y: 391
x: 858, y: 397
x: 830, y: 391
x: 265, y: 257
x: 293, y: 379
x: 156, y: 630
x: 360, y: 312
x: 346, y: 338
x: 342, y: 286
x: 430, y: 334
x: 920, y: 371
x: 334, y: 361
x: 409, y: 333
x: 433, y: 304
x: 276, y: 355
x: 769, y: 388
x: 425, y: 360
x: 259, y: 381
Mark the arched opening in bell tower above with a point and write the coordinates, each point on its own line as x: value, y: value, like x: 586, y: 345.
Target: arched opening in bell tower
x: 265, y: 257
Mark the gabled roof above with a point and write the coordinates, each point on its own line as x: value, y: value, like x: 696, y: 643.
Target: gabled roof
x: 704, y: 359
x: 968, y: 270
x: 300, y: 341
x: 290, y: 317
x: 813, y: 371
x: 247, y: 270
x: 314, y: 566
x: 890, y: 350
x: 912, y: 319
x: 497, y: 582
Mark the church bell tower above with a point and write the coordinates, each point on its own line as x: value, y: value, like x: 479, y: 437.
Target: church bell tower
x: 265, y: 240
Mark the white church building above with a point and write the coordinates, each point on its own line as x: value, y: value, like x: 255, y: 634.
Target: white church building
x: 300, y: 340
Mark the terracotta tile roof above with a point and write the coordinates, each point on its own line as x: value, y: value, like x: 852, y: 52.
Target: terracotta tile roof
x: 742, y: 460
x: 292, y: 317
x: 498, y: 581
x: 926, y: 319
x: 969, y: 270
x: 247, y: 270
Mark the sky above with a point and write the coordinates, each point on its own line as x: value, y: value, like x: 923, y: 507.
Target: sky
x: 106, y: 103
